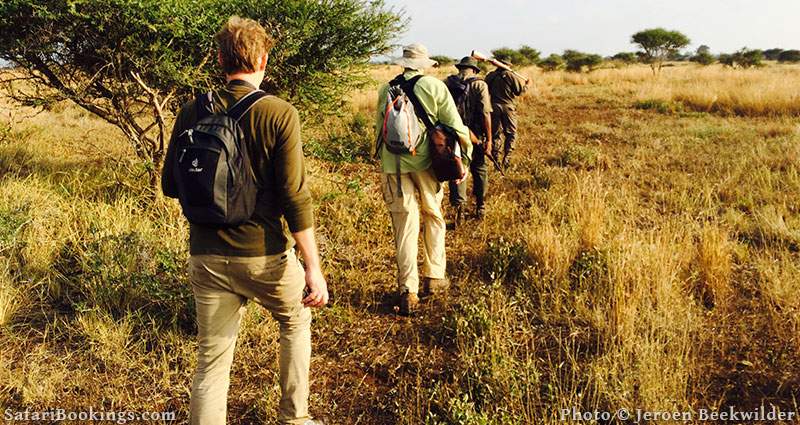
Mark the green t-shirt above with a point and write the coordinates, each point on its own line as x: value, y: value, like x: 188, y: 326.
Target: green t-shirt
x: 441, y: 108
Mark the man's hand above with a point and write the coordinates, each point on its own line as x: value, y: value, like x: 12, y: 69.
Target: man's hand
x: 315, y: 281
x: 463, y: 177
x: 487, y: 147
x: 317, y: 288
x: 473, y: 138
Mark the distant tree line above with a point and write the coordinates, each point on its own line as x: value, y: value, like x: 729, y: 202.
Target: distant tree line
x: 656, y: 46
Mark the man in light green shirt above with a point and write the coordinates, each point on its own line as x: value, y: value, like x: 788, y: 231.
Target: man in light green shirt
x: 416, y: 176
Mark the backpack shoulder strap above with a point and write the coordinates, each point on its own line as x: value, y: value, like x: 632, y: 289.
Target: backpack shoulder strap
x: 205, y: 105
x: 397, y: 81
x: 408, y: 89
x: 237, y: 111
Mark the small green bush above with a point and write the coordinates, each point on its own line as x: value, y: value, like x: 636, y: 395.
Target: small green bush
x: 552, y: 63
x: 578, y: 156
x: 658, y: 105
x: 505, y: 261
x: 353, y: 143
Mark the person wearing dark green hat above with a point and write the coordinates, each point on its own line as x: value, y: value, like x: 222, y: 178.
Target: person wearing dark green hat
x: 471, y: 95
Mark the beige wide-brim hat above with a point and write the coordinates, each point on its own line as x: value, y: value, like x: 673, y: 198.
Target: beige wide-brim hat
x: 415, y: 56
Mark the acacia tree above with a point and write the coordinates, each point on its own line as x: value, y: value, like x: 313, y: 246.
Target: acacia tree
x: 658, y: 44
x: 530, y: 55
x: 524, y: 56
x: 743, y: 58
x: 703, y: 56
x: 626, y: 57
x: 576, y: 61
x: 133, y: 63
x: 507, y: 54
x: 791, y: 56
x: 552, y: 62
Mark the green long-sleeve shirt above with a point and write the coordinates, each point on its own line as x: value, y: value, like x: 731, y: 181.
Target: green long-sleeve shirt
x: 439, y: 105
x: 272, y: 134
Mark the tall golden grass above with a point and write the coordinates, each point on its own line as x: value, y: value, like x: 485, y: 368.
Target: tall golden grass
x: 629, y: 259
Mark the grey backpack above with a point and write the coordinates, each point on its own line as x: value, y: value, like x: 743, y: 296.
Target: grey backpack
x: 401, y: 131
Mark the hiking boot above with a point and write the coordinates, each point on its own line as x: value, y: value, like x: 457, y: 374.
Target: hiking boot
x: 435, y: 286
x: 506, y: 162
x: 459, y: 216
x: 408, y: 303
x: 480, y: 212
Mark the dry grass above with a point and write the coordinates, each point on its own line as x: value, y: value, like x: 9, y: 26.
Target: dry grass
x: 714, y: 260
x: 630, y: 259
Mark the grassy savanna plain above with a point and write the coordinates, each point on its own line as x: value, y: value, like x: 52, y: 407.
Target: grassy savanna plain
x: 643, y: 252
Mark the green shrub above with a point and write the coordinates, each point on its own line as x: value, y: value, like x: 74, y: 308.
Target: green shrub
x: 789, y: 56
x: 773, y: 54
x: 578, y: 156
x: 524, y: 56
x: 444, y: 60
x: 658, y: 105
x: 506, y: 260
x: 552, y: 63
x: 744, y: 58
x: 588, y: 269
x: 123, y: 272
x: 353, y: 143
x: 578, y: 61
x: 626, y: 57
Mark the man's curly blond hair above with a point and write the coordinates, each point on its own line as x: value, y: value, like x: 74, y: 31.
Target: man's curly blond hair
x: 241, y: 42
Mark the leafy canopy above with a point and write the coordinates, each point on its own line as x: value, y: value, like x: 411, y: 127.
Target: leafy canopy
x: 552, y: 62
x: 443, y: 60
x: 524, y: 56
x: 576, y: 61
x: 134, y: 62
x: 789, y: 56
x: 773, y: 54
x: 626, y: 57
x: 743, y: 58
x: 658, y: 44
x: 703, y: 56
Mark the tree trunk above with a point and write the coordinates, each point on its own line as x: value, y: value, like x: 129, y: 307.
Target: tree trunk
x: 155, y: 175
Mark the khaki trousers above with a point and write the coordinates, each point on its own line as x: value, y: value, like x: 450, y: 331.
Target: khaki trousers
x: 405, y: 211
x: 222, y: 285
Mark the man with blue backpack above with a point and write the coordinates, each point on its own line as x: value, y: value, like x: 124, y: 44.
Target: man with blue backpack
x: 235, y: 162
x: 421, y: 142
x: 471, y: 95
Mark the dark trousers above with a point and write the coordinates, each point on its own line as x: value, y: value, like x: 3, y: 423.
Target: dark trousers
x: 480, y: 178
x: 504, y: 121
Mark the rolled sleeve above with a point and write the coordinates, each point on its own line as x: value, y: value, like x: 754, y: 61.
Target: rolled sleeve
x: 485, y: 100
x: 290, y: 175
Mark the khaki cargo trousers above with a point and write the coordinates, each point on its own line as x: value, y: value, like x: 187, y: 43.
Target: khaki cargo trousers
x: 222, y: 286
x: 406, y: 210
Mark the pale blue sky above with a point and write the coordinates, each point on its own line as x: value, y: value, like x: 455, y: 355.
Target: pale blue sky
x: 454, y: 27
